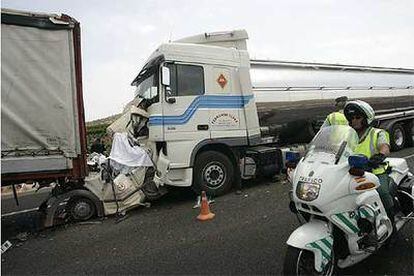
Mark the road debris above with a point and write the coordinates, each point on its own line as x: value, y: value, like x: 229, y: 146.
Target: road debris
x: 121, y: 217
x: 22, y: 236
x: 89, y: 222
x: 198, y: 202
x: 5, y: 246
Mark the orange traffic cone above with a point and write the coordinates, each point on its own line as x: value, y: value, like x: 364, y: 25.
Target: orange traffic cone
x: 205, y: 213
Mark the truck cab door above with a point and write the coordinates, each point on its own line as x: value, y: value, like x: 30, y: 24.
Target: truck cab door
x: 185, y: 118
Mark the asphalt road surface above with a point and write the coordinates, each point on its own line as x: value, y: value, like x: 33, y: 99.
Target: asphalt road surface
x: 247, y: 236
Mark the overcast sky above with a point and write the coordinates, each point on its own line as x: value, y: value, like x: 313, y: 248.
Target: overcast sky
x: 118, y: 36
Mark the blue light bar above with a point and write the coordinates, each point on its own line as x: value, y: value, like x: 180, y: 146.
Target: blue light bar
x: 292, y: 156
x: 358, y: 161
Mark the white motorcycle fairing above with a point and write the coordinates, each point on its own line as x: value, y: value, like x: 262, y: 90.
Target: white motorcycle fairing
x: 335, y: 198
x: 314, y: 236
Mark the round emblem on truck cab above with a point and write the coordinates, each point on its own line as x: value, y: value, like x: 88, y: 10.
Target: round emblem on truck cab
x: 222, y: 81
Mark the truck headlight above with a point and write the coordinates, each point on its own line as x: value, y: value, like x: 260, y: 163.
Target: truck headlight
x: 307, y: 191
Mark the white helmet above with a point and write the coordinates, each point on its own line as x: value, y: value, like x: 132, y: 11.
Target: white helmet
x: 360, y: 108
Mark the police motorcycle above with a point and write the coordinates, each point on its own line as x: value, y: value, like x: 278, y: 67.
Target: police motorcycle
x: 334, y: 196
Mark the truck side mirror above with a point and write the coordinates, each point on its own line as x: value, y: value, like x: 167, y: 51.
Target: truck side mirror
x: 165, y: 80
x: 165, y: 76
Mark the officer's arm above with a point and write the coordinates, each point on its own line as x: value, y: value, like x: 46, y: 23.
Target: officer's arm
x: 384, y: 143
x: 384, y: 149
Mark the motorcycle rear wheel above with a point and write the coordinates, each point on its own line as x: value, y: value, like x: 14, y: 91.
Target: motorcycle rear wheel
x: 301, y: 262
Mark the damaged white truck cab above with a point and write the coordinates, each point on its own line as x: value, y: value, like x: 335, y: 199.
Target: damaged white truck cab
x: 216, y: 127
x: 202, y: 111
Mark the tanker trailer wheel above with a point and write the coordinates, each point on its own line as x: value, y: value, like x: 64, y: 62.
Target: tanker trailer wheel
x: 213, y: 173
x: 410, y: 133
x: 397, y: 137
x: 81, y: 209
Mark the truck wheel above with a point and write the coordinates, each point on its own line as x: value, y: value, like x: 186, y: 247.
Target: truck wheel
x: 397, y: 137
x: 81, y: 209
x: 213, y: 173
x: 410, y: 134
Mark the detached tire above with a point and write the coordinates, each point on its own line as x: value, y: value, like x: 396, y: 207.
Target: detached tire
x: 213, y: 173
x: 81, y: 209
x: 398, y: 137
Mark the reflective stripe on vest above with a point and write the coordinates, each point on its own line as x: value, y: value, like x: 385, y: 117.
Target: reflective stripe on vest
x: 368, y: 147
x: 337, y: 118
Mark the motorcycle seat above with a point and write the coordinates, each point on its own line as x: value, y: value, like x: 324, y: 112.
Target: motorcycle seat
x: 399, y: 169
x: 399, y: 163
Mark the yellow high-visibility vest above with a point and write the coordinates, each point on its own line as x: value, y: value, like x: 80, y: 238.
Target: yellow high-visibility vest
x: 368, y: 147
x: 337, y: 118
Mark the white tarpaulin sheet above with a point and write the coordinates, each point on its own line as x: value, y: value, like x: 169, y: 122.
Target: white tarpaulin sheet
x: 124, y: 154
x: 38, y: 99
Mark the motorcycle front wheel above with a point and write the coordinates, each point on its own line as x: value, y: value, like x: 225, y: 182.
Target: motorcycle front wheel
x: 301, y: 262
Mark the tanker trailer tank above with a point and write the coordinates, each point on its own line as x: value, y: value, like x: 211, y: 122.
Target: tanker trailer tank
x: 294, y: 98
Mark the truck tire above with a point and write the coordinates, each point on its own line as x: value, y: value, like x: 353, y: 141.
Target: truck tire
x: 213, y: 173
x: 410, y: 134
x: 397, y: 137
x: 81, y: 209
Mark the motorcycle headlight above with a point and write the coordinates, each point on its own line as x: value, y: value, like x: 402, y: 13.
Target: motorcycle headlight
x: 307, y: 191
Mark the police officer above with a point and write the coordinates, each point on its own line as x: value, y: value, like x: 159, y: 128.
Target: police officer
x: 337, y: 117
x: 374, y: 143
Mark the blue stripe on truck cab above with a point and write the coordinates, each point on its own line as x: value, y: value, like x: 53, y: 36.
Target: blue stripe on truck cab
x: 204, y: 101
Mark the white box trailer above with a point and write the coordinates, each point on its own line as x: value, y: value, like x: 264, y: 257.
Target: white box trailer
x: 210, y: 105
x: 43, y: 135
x: 42, y: 113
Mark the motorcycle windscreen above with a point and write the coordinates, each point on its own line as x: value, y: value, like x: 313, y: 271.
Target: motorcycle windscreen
x: 333, y: 145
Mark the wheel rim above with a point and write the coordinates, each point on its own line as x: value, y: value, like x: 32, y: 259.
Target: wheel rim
x: 412, y: 133
x: 305, y: 265
x: 398, y: 137
x: 82, y: 210
x: 214, y: 175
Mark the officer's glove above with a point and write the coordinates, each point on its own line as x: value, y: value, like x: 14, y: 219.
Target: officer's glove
x: 376, y: 160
